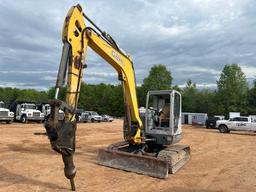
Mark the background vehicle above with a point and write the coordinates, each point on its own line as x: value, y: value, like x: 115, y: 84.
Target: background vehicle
x: 253, y: 118
x: 45, y: 108
x: 149, y: 146
x: 26, y: 111
x: 221, y: 117
x: 5, y: 114
x: 79, y: 115
x: 211, y: 122
x: 84, y: 117
x: 107, y: 118
x: 91, y: 116
x: 234, y: 114
x: 236, y: 124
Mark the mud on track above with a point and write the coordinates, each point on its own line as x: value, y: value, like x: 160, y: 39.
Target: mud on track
x: 220, y: 162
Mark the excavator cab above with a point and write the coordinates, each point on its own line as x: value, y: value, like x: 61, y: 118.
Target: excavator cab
x: 158, y: 155
x: 162, y: 120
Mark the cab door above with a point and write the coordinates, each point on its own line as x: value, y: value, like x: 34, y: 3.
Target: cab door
x: 18, y: 110
x: 232, y: 123
x: 243, y: 124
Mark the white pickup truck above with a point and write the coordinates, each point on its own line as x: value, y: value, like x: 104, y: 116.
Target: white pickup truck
x: 91, y: 116
x: 236, y: 124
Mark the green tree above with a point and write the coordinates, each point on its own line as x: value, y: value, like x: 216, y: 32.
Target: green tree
x: 103, y: 98
x: 159, y: 78
x: 9, y: 95
x: 232, y: 89
x: 189, y: 95
x: 177, y: 88
x: 51, y: 93
x: 252, y: 99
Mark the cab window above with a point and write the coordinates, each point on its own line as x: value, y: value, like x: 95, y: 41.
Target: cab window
x: 160, y: 104
x: 235, y: 119
x: 243, y: 119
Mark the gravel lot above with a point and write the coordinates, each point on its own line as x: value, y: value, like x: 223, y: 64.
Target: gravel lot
x: 220, y: 162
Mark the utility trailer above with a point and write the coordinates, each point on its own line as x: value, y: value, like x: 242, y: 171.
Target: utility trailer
x: 26, y: 111
x: 5, y: 114
x: 194, y: 118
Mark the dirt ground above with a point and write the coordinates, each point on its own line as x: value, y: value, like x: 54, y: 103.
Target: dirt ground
x: 220, y: 162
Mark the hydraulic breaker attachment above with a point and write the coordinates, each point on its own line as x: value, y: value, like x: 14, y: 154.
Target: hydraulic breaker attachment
x: 62, y: 138
x: 157, y: 164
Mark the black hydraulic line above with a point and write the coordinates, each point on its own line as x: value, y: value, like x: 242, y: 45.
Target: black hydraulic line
x: 106, y: 36
x: 88, y: 19
x: 90, y: 28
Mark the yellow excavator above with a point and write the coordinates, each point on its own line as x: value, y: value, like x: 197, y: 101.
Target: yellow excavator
x: 150, y: 134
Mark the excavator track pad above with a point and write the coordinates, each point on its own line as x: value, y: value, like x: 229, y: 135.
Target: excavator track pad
x: 158, y: 164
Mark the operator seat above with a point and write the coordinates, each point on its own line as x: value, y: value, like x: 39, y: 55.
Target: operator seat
x: 164, y: 117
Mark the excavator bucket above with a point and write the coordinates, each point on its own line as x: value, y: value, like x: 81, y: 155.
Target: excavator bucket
x: 168, y: 160
x: 135, y: 163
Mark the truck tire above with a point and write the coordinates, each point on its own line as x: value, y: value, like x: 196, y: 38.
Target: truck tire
x: 92, y: 120
x: 223, y: 129
x: 24, y: 119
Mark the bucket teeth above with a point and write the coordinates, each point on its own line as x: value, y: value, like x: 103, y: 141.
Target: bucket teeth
x: 167, y: 161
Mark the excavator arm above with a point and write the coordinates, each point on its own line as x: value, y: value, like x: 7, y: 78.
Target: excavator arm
x: 76, y: 37
x: 124, y: 67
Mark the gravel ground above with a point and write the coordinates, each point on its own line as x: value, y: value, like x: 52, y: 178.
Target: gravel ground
x: 220, y: 162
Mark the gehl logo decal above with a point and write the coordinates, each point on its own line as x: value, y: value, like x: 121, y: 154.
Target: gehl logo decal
x: 117, y: 57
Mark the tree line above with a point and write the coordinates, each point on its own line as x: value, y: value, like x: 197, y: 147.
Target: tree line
x: 232, y: 94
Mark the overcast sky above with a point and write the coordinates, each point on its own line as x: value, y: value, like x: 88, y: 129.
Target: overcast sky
x: 193, y: 38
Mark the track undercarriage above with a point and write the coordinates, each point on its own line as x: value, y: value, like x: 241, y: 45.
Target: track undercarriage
x: 155, y: 162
